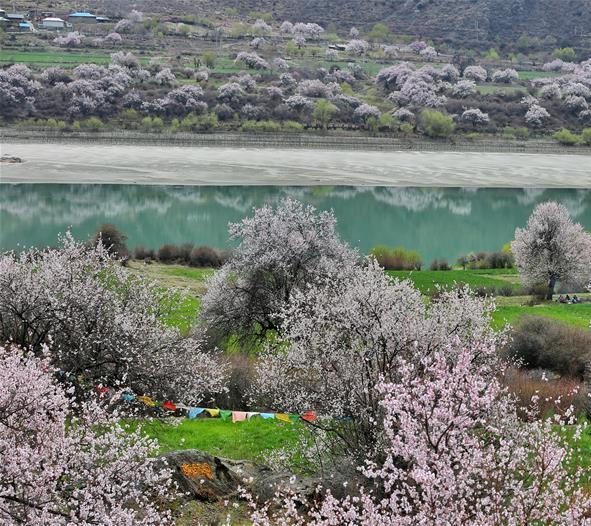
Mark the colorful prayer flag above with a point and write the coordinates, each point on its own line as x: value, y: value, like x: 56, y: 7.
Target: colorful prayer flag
x: 169, y: 405
x: 213, y: 412
x: 147, y: 400
x: 225, y: 413
x: 238, y: 416
x: 194, y: 412
x: 283, y: 417
x: 309, y: 416
x: 267, y: 416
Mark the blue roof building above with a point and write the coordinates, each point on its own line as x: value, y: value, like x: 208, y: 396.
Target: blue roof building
x: 82, y: 17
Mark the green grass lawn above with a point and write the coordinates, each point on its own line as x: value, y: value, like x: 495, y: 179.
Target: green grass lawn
x: 52, y: 58
x: 248, y: 440
x: 575, y: 315
x: 425, y: 280
x: 493, y: 88
x: 529, y: 75
x: 509, y: 309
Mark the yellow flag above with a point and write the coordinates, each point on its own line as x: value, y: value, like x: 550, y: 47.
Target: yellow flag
x: 213, y: 412
x: 147, y: 400
x: 283, y: 417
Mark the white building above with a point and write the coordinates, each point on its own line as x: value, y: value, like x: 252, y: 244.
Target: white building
x: 53, y: 23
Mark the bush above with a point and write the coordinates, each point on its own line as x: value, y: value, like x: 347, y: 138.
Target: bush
x: 397, y: 258
x: 586, y: 136
x: 539, y: 342
x: 566, y: 137
x: 113, y: 240
x: 92, y: 124
x: 436, y: 124
x: 555, y: 396
x: 439, y: 264
x: 168, y: 253
x: 143, y: 253
x: 293, y: 127
x: 260, y: 126
x: 515, y: 133
x: 184, y: 252
x: 204, y: 256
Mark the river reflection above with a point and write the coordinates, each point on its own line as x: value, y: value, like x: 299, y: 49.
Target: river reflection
x: 438, y: 222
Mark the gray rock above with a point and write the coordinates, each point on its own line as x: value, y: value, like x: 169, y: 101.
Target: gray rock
x: 209, y: 478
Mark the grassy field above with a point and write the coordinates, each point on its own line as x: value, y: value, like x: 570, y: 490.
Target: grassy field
x: 248, y: 440
x: 509, y: 309
x: 425, y: 280
x: 575, y: 315
x: 56, y: 58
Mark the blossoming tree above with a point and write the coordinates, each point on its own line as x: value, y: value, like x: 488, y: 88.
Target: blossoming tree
x: 552, y: 248
x: 281, y: 250
x: 66, y: 464
x: 104, y: 326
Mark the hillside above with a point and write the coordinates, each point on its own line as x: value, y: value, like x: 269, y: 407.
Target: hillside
x: 458, y: 20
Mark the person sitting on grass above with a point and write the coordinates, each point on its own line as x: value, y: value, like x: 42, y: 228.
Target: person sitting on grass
x: 567, y: 299
x: 576, y: 299
x: 561, y: 299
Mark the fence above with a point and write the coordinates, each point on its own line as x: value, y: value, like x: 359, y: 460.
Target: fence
x: 342, y: 141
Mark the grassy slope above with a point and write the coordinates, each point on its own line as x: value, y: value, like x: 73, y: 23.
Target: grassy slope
x: 425, y: 280
x: 248, y: 440
x: 509, y: 310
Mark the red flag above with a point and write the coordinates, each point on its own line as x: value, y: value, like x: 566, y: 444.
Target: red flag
x: 309, y: 416
x: 169, y: 405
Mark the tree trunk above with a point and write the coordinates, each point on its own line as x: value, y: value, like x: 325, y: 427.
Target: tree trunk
x: 551, y: 285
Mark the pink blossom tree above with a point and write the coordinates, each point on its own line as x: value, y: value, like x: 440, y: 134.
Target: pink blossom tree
x: 357, y: 47
x: 505, y: 76
x: 476, y: 73
x: 165, y: 77
x: 72, y: 464
x: 552, y: 248
x: 252, y: 60
x: 281, y: 250
x: 456, y: 453
x: 475, y: 116
x: 536, y: 116
x: 463, y: 89
x: 104, y: 326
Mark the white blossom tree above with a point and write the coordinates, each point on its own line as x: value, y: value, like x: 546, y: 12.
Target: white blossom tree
x: 551, y: 248
x: 281, y: 250
x: 104, y: 326
x: 342, y: 337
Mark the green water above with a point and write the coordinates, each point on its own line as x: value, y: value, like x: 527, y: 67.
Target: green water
x: 438, y: 222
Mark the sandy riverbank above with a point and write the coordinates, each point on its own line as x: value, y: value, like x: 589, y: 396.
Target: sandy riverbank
x: 185, y: 165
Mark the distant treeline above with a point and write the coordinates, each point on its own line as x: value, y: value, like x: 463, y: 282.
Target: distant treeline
x: 399, y: 258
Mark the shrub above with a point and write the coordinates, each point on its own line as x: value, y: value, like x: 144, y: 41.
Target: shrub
x: 555, y: 395
x: 515, y: 133
x: 112, y: 239
x: 92, y: 124
x: 549, y: 344
x: 206, y: 257
x: 586, y: 136
x: 397, y: 258
x: 439, y: 264
x: 566, y: 137
x: 293, y: 127
x: 436, y: 124
x: 184, y: 252
x: 260, y: 126
x: 143, y: 253
x: 168, y: 253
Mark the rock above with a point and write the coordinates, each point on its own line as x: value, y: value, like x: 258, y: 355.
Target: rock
x: 204, y: 476
x: 10, y: 160
x: 210, y: 478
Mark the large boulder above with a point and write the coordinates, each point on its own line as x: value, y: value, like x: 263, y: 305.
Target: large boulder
x: 206, y: 477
